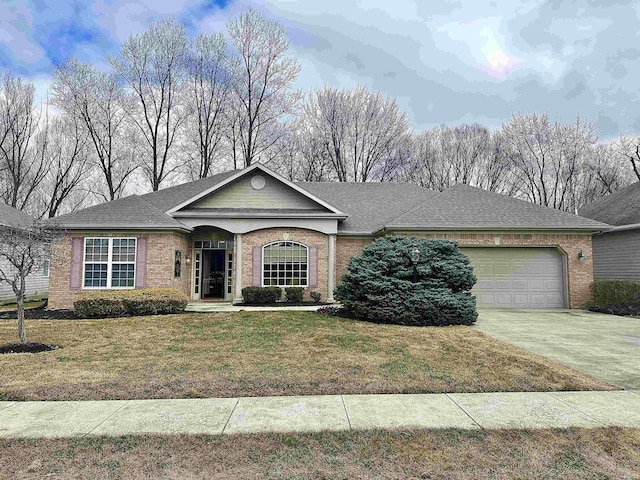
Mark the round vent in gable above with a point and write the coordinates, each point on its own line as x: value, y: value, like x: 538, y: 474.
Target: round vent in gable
x: 258, y: 182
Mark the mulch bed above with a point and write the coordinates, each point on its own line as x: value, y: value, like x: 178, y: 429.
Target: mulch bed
x: 41, y: 314
x: 282, y: 304
x: 31, y: 347
x: 620, y: 310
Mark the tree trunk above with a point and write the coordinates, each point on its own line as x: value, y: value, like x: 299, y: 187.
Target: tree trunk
x: 22, y: 331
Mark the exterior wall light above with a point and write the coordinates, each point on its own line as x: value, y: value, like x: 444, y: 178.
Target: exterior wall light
x: 415, y: 258
x: 581, y: 255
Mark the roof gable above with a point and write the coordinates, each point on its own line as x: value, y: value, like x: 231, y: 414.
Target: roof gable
x: 256, y: 187
x: 465, y: 207
x: 619, y: 208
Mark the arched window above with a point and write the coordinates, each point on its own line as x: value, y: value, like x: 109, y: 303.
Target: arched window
x: 285, y: 264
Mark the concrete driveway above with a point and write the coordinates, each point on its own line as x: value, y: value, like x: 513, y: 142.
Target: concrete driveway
x: 605, y: 346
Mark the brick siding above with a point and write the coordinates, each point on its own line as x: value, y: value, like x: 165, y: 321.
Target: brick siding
x: 309, y: 238
x: 161, y: 247
x: 160, y: 264
x: 579, y: 272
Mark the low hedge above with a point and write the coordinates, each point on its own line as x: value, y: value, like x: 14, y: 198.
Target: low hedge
x: 617, y: 297
x: 261, y: 295
x: 116, y: 303
x: 294, y: 294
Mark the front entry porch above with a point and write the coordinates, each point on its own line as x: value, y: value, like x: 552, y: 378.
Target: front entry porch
x: 212, y: 274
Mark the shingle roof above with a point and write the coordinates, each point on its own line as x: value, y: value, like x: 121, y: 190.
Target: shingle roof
x: 462, y: 207
x: 619, y: 208
x: 127, y: 212
x: 11, y: 217
x: 170, y: 197
x: 368, y: 205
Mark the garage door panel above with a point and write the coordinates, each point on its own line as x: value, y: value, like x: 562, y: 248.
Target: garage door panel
x: 504, y: 270
x: 553, y: 285
x: 504, y: 299
x: 486, y: 299
x: 518, y: 277
x: 484, y: 270
x: 535, y: 284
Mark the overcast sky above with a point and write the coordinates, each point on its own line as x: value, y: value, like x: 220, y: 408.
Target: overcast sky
x: 448, y: 62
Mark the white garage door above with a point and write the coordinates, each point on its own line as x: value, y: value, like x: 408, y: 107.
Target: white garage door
x: 517, y: 277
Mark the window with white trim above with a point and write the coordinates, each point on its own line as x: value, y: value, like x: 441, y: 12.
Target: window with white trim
x: 109, y: 263
x: 285, y: 264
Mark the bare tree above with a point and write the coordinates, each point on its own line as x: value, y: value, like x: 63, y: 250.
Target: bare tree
x: 628, y: 148
x: 465, y: 154
x: 22, y: 170
x: 263, y: 76
x: 600, y: 175
x: 361, y: 134
x: 23, y: 251
x: 300, y: 157
x: 547, y: 157
x: 152, y: 65
x: 98, y: 101
x: 63, y: 145
x: 209, y: 87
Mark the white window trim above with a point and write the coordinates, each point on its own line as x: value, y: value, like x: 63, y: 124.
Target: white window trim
x: 110, y: 263
x: 306, y: 284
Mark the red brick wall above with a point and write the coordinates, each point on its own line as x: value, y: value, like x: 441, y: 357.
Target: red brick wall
x: 347, y: 247
x: 309, y: 238
x: 160, y: 264
x: 579, y: 272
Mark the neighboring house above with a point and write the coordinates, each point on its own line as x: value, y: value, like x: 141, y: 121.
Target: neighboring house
x: 212, y: 237
x: 616, y: 252
x: 37, y: 282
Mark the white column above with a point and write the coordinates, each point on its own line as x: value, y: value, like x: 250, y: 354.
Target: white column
x: 238, y: 264
x: 331, y: 267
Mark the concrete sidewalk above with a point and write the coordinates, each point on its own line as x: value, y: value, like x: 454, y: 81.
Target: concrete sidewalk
x: 323, y: 412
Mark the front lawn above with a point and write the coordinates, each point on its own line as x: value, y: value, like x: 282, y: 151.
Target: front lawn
x: 571, y: 454
x: 266, y: 353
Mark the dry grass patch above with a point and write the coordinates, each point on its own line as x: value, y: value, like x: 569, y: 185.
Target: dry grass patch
x: 602, y: 453
x: 267, y: 353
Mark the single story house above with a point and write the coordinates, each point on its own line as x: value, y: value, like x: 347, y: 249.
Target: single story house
x: 616, y: 252
x: 212, y: 237
x: 37, y: 282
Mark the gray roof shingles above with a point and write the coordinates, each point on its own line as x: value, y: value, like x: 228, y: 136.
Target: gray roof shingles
x: 462, y: 206
x: 127, y: 212
x: 370, y: 207
x: 11, y: 217
x: 619, y: 208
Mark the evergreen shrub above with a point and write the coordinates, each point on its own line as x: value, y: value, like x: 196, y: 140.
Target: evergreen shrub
x: 378, y: 285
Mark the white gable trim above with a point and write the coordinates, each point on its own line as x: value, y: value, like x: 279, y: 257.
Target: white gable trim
x: 242, y: 173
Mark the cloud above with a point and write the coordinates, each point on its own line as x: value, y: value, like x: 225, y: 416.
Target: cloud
x: 445, y: 61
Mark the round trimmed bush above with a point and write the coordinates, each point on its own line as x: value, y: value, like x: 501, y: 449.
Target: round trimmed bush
x: 379, y: 284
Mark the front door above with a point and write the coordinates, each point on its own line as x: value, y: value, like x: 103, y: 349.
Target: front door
x: 213, y: 269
